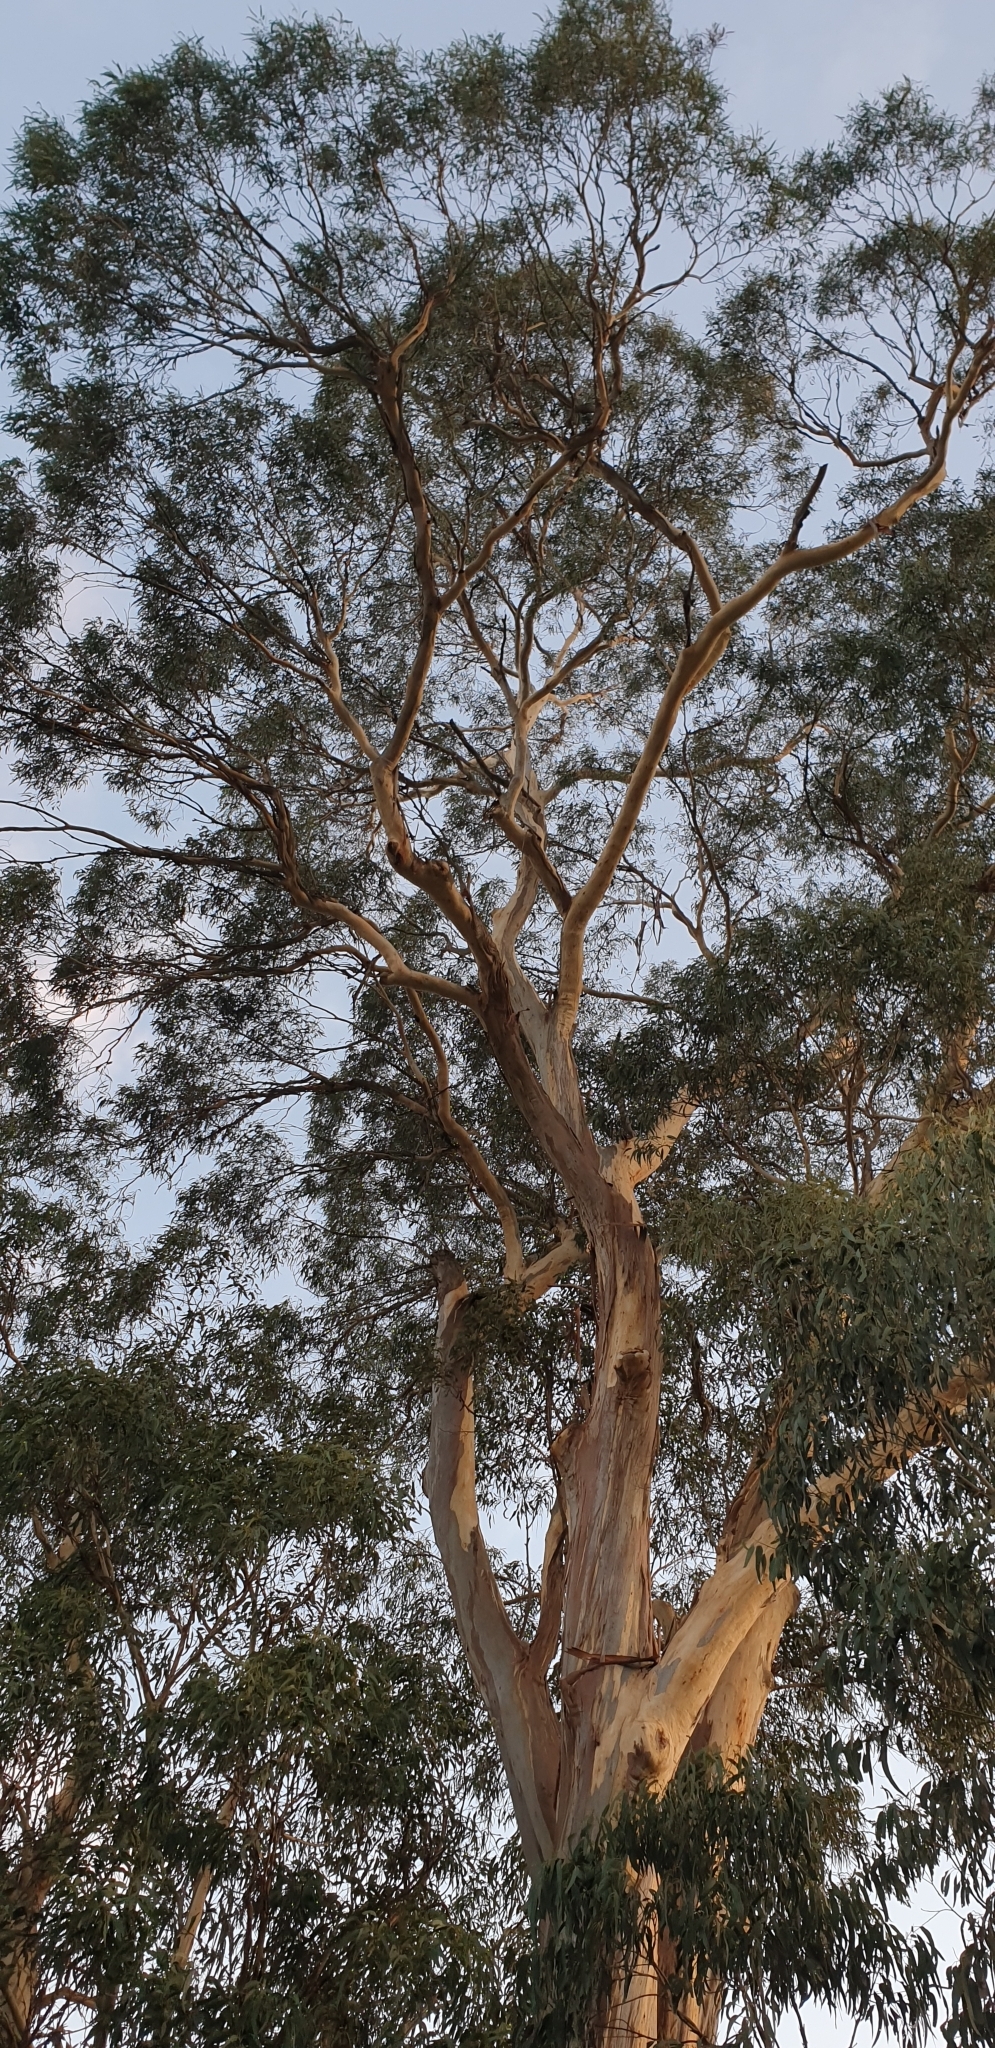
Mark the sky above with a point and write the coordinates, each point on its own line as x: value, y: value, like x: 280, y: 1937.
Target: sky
x: 792, y: 67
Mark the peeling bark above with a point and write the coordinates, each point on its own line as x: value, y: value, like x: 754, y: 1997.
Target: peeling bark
x: 630, y: 1710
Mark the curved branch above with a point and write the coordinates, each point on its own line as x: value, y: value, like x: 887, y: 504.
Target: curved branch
x: 544, y: 1272
x: 732, y: 1603
x: 741, y: 1603
x: 636, y: 1159
x: 528, y: 843
x: 676, y: 535
x: 513, y: 1689
x: 470, y: 1153
x: 732, y: 1715
x: 697, y: 660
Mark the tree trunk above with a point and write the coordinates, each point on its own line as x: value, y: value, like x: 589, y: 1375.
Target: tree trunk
x: 32, y: 1884
x: 613, y: 1739
x: 633, y: 2016
x: 605, y: 1462
x: 630, y: 1712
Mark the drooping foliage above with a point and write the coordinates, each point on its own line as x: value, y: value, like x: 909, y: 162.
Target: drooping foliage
x: 230, y: 1716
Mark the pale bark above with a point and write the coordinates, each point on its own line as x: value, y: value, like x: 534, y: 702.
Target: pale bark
x: 190, y: 1927
x: 628, y: 1713
x: 509, y: 1680
x: 633, y: 2016
x: 33, y: 1880
x: 728, y: 1724
x: 631, y: 1710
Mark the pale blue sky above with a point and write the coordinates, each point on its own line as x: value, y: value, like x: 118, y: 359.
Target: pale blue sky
x: 793, y: 65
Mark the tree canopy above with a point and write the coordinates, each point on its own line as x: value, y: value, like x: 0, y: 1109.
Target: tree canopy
x: 505, y: 683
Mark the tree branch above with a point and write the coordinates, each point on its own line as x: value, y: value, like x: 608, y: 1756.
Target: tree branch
x: 690, y: 668
x: 678, y: 538
x: 512, y: 1688
x: 476, y: 1164
x: 198, y: 1899
x: 636, y: 1159
x: 544, y: 1272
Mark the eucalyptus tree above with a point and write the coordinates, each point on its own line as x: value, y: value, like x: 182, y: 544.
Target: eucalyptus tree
x: 242, y: 1791
x: 498, y: 772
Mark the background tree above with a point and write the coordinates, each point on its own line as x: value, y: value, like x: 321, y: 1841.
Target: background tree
x: 242, y: 1794
x: 512, y: 788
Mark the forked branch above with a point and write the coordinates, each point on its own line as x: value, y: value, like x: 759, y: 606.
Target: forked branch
x: 696, y: 661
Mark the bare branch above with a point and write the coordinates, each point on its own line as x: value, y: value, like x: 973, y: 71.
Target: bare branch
x: 548, y: 1270
x: 476, y: 1164
x: 803, y: 509
x: 514, y: 1692
x: 692, y: 665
